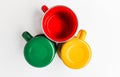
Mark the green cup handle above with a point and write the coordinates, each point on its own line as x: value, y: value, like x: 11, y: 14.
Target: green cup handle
x: 27, y: 36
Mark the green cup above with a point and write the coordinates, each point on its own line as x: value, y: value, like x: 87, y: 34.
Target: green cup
x: 39, y: 50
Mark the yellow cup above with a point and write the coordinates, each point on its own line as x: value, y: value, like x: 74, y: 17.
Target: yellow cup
x: 75, y: 53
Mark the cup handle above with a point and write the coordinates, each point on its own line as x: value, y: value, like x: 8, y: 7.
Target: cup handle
x: 81, y: 34
x: 44, y: 8
x: 27, y: 36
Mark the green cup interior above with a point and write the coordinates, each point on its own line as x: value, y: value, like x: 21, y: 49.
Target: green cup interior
x: 39, y: 51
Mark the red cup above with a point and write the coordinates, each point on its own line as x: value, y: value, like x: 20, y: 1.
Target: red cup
x: 59, y: 23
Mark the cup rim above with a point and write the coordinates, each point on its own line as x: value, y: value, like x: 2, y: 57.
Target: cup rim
x: 28, y: 50
x: 88, y: 52
x: 45, y: 32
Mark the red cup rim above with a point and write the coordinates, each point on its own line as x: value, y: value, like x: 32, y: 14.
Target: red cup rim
x: 75, y: 27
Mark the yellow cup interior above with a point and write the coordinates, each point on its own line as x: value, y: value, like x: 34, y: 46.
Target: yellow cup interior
x: 75, y: 53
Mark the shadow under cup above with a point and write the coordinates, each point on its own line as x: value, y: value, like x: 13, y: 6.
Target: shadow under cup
x: 59, y: 23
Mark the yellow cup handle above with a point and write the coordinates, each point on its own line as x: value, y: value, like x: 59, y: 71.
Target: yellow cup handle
x: 81, y: 34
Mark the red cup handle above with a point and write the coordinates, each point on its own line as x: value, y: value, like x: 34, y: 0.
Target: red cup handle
x: 44, y: 8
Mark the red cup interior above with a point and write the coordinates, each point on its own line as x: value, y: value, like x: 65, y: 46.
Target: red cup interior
x: 59, y: 23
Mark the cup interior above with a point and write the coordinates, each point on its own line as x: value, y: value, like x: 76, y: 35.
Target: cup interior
x: 75, y: 53
x: 59, y: 23
x: 39, y: 51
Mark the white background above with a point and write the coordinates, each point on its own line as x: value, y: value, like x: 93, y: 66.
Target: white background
x: 100, y: 18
